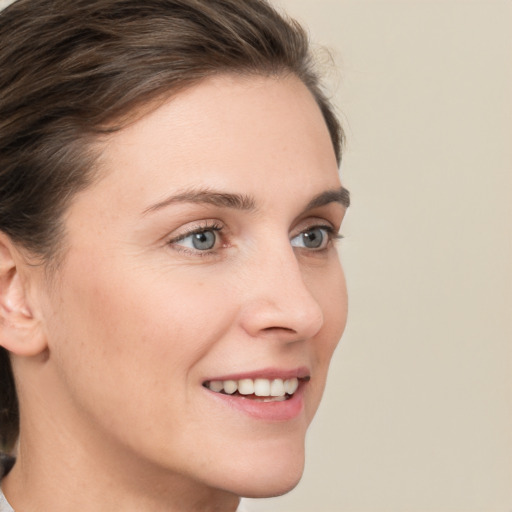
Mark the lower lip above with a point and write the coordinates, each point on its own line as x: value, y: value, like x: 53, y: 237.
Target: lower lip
x: 269, y: 411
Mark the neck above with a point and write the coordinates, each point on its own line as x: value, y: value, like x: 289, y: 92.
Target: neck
x: 58, y: 484
x: 65, y: 461
x: 62, y: 472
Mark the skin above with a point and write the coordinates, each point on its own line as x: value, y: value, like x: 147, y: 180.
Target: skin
x: 115, y: 352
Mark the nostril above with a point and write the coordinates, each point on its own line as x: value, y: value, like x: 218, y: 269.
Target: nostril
x: 285, y: 329
x: 283, y: 334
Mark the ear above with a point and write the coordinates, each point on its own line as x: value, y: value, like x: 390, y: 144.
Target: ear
x: 20, y: 329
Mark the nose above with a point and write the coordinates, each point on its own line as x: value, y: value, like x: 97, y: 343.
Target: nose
x: 277, y: 301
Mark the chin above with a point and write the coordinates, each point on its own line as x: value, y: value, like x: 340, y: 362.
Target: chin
x: 270, y: 489
x: 265, y: 477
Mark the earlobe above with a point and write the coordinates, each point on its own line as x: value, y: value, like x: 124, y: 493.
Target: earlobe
x: 20, y: 329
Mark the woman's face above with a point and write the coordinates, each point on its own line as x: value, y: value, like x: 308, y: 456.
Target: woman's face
x: 203, y: 256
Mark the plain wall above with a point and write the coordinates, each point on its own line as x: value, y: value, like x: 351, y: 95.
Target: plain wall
x: 418, y: 411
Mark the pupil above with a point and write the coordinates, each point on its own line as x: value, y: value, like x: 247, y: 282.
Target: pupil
x: 203, y: 241
x: 314, y: 238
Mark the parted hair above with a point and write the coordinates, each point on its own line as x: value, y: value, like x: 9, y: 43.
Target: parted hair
x: 72, y: 70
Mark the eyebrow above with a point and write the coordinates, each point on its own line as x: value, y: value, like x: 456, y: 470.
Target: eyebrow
x: 339, y: 195
x: 245, y: 202
x: 207, y: 196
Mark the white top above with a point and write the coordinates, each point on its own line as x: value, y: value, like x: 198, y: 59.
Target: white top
x: 4, y: 505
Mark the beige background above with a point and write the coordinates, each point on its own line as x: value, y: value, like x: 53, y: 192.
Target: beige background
x: 418, y: 411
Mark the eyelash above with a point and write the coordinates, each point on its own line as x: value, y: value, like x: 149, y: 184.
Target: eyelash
x: 216, y: 227
x: 332, y: 236
x: 206, y: 227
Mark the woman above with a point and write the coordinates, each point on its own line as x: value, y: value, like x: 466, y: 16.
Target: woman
x: 170, y: 293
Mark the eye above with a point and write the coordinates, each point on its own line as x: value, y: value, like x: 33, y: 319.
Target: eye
x: 201, y: 239
x: 315, y: 238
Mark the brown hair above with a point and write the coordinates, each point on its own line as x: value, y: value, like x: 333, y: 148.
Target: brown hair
x: 71, y: 69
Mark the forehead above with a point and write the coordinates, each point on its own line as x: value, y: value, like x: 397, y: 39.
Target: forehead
x: 226, y: 131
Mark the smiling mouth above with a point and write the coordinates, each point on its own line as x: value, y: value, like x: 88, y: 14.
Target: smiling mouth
x: 259, y: 390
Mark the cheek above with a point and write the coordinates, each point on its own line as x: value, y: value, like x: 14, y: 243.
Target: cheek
x: 129, y: 322
x: 329, y: 289
x: 126, y: 352
x: 120, y: 333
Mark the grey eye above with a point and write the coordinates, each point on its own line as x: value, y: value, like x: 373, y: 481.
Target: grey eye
x: 314, y: 238
x: 203, y: 241
x: 200, y: 241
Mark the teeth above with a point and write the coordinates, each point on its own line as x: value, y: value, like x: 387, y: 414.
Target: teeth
x: 246, y: 387
x: 291, y: 385
x: 271, y: 399
x: 262, y: 387
x: 230, y: 386
x: 216, y: 385
x: 272, y: 390
x: 277, y: 388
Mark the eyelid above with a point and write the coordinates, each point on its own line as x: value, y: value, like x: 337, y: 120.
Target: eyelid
x: 219, y: 227
x: 331, y: 235
x: 315, y: 222
x: 195, y: 228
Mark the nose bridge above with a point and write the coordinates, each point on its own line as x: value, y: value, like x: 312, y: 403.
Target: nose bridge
x: 278, y: 300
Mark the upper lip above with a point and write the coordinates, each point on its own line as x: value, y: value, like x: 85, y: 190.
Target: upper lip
x: 266, y: 373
